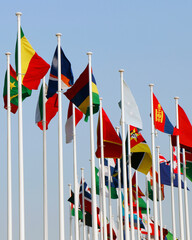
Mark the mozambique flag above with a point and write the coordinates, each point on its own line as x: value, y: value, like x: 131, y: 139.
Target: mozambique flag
x: 79, y: 93
x: 14, y: 91
x: 33, y: 67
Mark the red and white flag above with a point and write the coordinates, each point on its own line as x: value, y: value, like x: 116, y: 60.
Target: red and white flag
x: 175, y: 164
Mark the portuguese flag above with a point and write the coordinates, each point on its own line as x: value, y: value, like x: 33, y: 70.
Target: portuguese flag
x: 14, y: 91
x: 33, y: 67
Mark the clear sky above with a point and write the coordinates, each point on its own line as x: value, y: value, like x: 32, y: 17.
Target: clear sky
x: 150, y: 40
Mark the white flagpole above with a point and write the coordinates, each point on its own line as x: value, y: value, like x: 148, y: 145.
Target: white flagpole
x: 45, y: 204
x: 120, y: 225
x: 130, y: 184
x: 153, y: 165
x: 70, y: 216
x: 60, y: 139
x: 9, y: 179
x: 147, y: 201
x: 20, y: 137
x: 137, y: 202
x: 83, y: 202
x: 186, y: 197
x: 110, y: 208
x: 160, y: 195
x: 88, y: 233
x: 93, y: 187
x: 172, y: 190
x: 179, y: 174
x: 103, y: 173
x: 100, y: 201
x: 75, y: 177
x: 124, y: 160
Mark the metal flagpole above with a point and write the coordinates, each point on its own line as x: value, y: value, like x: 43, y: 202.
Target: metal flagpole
x: 60, y: 139
x: 45, y: 204
x: 172, y: 190
x: 124, y: 160
x: 100, y: 201
x: 147, y: 201
x: 103, y: 172
x: 70, y: 218
x: 110, y: 208
x: 137, y: 202
x: 20, y: 137
x: 153, y: 165
x: 93, y: 187
x: 186, y: 197
x: 9, y: 179
x: 75, y: 177
x: 83, y: 202
x: 179, y: 174
x: 160, y: 195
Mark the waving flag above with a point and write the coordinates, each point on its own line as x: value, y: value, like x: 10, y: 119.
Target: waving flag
x: 66, y: 74
x: 175, y: 164
x: 14, y: 91
x: 79, y: 93
x: 161, y: 121
x: 33, y: 67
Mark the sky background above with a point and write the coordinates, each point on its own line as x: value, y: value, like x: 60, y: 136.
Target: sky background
x: 150, y: 40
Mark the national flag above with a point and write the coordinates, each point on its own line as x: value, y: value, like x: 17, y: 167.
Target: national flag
x: 33, y: 67
x: 134, y: 189
x: 111, y: 141
x: 175, y: 164
x: 161, y: 121
x: 66, y: 74
x: 79, y: 93
x: 188, y: 162
x: 141, y: 158
x: 51, y: 106
x: 131, y: 110
x: 135, y: 221
x: 69, y: 122
x: 150, y: 186
x: 114, y: 236
x: 14, y: 91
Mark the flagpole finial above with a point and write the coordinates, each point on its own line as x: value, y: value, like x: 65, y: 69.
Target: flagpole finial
x: 89, y: 53
x: 58, y: 34
x: 101, y: 98
x: 18, y: 13
x: 121, y: 70
x: 7, y: 53
x: 151, y: 84
x: 176, y: 98
x: 157, y: 147
x: 69, y: 185
x: 82, y: 168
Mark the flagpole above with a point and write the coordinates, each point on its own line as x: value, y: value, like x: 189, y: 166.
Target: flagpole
x: 20, y: 137
x: 88, y: 233
x: 100, y: 201
x: 124, y: 159
x: 179, y: 174
x: 130, y: 184
x: 172, y: 190
x: 103, y: 174
x: 160, y: 195
x: 9, y: 179
x: 93, y: 186
x: 186, y: 197
x: 60, y: 140
x: 137, y: 202
x: 45, y: 204
x: 75, y: 176
x: 83, y: 202
x: 120, y: 227
x: 70, y: 218
x: 147, y: 201
x: 153, y: 164
x: 110, y: 208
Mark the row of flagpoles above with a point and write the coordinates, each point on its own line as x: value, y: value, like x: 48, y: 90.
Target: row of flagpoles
x: 132, y: 121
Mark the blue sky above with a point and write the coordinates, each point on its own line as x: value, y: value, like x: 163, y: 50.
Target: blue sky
x: 150, y: 40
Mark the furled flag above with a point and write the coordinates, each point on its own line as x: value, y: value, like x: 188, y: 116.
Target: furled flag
x: 141, y: 158
x: 69, y: 122
x: 111, y: 141
x: 66, y: 74
x: 33, y: 67
x: 51, y: 107
x: 150, y: 186
x: 79, y: 93
x: 14, y: 91
x: 131, y: 110
x: 161, y: 121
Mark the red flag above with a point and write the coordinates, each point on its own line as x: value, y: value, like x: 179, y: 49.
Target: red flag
x: 111, y: 141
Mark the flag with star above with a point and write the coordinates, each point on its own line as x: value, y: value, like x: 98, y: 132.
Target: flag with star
x: 14, y: 91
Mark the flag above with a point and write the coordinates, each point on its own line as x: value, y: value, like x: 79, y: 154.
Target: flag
x: 14, y: 91
x: 188, y: 162
x: 69, y: 122
x: 135, y: 221
x: 134, y: 189
x: 141, y: 158
x: 33, y: 67
x: 161, y: 121
x: 150, y: 186
x: 66, y: 74
x: 175, y: 164
x: 111, y: 141
x: 51, y: 106
x: 114, y: 236
x: 79, y: 93
x: 131, y: 110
